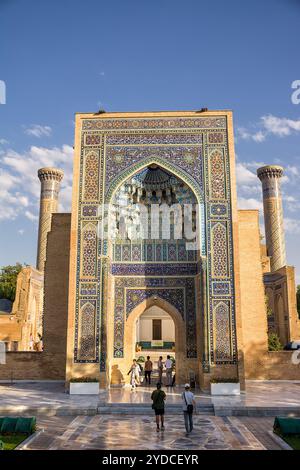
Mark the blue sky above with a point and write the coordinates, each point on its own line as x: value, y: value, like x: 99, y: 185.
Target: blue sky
x: 59, y: 57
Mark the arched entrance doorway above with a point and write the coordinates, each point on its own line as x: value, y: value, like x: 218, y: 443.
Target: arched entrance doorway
x: 177, y: 321
x: 155, y: 332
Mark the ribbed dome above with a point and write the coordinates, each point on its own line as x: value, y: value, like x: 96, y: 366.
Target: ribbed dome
x: 154, y: 178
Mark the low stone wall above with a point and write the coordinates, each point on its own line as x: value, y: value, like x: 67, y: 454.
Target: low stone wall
x: 275, y: 365
x: 31, y: 366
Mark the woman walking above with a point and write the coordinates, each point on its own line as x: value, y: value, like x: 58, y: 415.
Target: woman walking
x: 134, y: 373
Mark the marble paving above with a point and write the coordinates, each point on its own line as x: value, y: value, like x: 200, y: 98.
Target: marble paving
x: 22, y: 395
x: 122, y: 432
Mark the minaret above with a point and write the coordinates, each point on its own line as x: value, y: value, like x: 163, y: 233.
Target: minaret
x: 270, y: 177
x: 50, y: 179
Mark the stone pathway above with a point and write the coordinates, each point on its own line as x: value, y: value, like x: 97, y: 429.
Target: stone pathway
x: 139, y: 432
x: 20, y: 395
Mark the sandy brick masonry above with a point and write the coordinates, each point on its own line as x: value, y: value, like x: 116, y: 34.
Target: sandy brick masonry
x: 259, y: 362
x: 51, y: 363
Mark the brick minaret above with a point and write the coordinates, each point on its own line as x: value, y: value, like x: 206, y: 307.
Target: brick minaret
x: 270, y: 177
x: 50, y: 179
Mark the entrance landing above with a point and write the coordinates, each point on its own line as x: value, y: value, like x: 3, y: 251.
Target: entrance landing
x: 49, y: 398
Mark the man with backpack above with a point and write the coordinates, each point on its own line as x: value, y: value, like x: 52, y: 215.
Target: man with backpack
x: 158, y: 397
x: 189, y: 404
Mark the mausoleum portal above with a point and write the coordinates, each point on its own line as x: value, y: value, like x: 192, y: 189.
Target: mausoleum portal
x: 153, y: 218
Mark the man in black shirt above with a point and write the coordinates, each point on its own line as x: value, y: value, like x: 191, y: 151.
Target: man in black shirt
x: 158, y: 397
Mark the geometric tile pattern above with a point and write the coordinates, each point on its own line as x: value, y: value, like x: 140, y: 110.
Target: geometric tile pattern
x: 217, y: 175
x: 157, y: 251
x: 219, y: 249
x: 87, y: 329
x: 155, y: 269
x: 179, y: 292
x: 222, y: 329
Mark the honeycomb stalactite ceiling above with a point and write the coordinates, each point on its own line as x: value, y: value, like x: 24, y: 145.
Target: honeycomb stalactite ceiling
x: 154, y: 185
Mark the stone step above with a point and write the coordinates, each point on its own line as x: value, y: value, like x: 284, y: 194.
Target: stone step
x: 289, y: 411
x: 142, y: 408
x: 101, y: 408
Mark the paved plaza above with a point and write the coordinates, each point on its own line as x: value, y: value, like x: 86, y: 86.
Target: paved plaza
x: 51, y: 398
x: 139, y: 432
x: 121, y: 419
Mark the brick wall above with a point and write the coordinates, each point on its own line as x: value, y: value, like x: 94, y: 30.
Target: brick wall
x: 51, y: 363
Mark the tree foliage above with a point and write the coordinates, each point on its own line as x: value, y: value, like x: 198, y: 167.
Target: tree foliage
x: 268, y: 308
x: 8, y: 281
x: 274, y: 342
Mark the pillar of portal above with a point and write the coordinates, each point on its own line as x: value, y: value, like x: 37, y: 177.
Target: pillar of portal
x: 270, y: 176
x: 50, y: 179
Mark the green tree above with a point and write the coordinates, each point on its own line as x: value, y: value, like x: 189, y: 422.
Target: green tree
x: 8, y: 281
x: 274, y: 342
x: 268, y: 308
x: 298, y: 299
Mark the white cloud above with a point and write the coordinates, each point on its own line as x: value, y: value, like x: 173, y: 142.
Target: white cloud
x: 280, y: 126
x: 244, y: 175
x: 292, y: 226
x: 259, y: 136
x: 21, y: 231
x: 269, y: 125
x: 31, y: 216
x: 244, y: 134
x: 250, y: 203
x: 37, y: 130
x: 19, y: 184
x: 3, y: 142
x: 248, y: 186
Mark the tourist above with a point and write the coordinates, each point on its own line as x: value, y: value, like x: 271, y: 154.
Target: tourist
x: 169, y: 368
x: 158, y: 397
x: 31, y: 342
x: 174, y: 380
x: 160, y: 366
x: 148, y: 370
x: 188, y: 407
x: 134, y: 373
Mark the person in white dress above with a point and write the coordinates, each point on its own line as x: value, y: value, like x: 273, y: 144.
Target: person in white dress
x: 134, y: 373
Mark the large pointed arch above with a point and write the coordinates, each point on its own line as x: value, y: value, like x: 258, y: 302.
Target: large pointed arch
x: 192, y: 184
x: 117, y: 182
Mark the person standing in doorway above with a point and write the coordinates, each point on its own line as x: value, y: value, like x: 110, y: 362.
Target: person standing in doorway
x: 160, y: 366
x: 158, y: 397
x: 169, y: 368
x: 134, y: 373
x: 189, y: 404
x: 148, y: 370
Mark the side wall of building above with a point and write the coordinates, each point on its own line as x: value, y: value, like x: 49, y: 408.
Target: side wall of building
x: 281, y: 293
x: 260, y: 364
x: 24, y: 321
x: 49, y: 364
x: 254, y: 315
